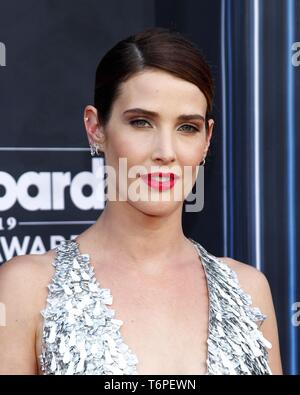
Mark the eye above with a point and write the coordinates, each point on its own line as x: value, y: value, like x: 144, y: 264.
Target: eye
x: 140, y: 123
x: 136, y: 122
x: 193, y: 129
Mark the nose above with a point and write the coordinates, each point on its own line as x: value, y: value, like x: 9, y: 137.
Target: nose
x: 164, y: 151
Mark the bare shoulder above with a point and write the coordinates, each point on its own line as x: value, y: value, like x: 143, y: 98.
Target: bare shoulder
x: 30, y: 264
x: 251, y: 280
x: 24, y: 280
x: 23, y: 292
x: 255, y: 284
x: 24, y: 275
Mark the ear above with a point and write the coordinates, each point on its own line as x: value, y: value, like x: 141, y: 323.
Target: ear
x: 94, y: 129
x: 211, y: 123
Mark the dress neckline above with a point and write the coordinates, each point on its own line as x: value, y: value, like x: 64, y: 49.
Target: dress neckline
x: 113, y: 312
x: 76, y: 313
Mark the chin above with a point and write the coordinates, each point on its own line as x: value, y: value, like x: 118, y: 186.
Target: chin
x: 156, y: 209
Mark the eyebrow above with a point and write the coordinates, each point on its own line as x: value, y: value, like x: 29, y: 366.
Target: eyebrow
x: 182, y: 117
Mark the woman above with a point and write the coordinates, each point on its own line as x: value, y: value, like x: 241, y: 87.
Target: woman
x: 132, y: 294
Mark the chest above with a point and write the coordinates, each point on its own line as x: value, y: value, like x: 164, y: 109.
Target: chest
x: 165, y: 320
x: 153, y: 324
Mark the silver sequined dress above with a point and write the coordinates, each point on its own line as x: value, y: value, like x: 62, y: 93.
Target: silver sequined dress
x: 82, y: 336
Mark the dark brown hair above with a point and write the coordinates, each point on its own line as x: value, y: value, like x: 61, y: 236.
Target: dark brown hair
x: 153, y: 48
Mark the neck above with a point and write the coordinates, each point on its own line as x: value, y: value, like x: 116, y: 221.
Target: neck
x: 138, y: 237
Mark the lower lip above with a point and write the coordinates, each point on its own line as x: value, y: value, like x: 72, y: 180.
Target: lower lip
x: 160, y: 185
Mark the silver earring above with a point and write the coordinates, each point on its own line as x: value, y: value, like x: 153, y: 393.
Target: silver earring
x: 95, y: 149
x: 203, y: 162
x: 98, y: 149
x: 92, y: 149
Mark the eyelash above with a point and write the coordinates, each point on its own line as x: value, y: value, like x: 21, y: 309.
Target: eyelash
x: 195, y: 130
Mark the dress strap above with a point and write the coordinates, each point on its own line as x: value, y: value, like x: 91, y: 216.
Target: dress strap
x: 235, y: 343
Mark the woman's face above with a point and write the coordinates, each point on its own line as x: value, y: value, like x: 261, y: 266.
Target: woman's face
x: 153, y: 142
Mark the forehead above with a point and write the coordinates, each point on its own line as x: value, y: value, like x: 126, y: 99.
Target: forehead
x: 160, y: 91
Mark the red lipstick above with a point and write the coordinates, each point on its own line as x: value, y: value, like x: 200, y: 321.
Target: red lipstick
x: 159, y: 180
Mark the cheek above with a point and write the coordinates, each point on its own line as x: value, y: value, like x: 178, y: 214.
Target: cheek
x: 191, y: 154
x: 190, y: 159
x: 128, y: 146
x: 126, y: 153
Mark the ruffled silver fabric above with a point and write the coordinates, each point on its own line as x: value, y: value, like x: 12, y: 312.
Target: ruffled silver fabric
x: 235, y: 344
x: 82, y: 336
x: 80, y: 333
